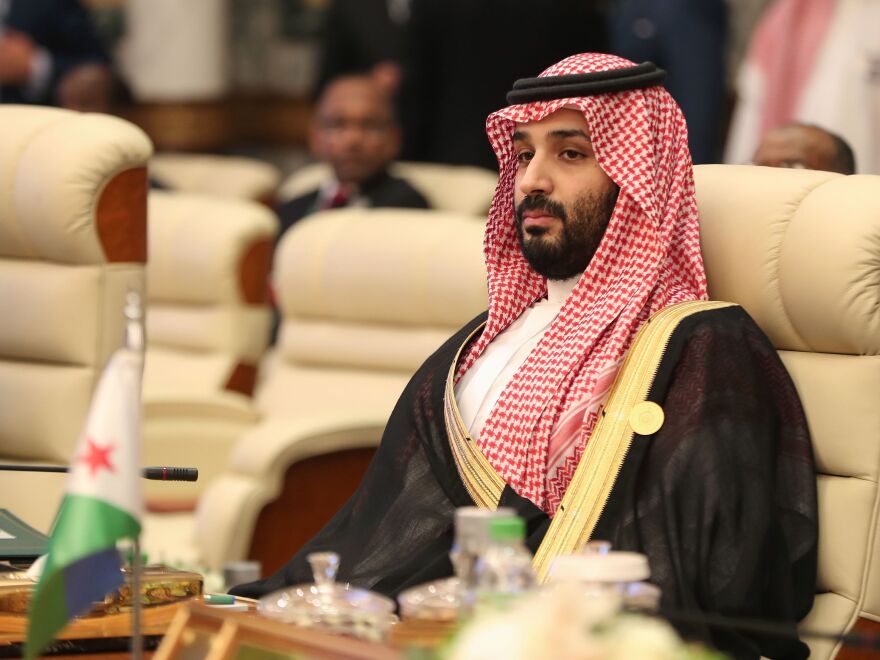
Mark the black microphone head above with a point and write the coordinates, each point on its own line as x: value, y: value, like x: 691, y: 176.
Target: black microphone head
x: 171, y: 473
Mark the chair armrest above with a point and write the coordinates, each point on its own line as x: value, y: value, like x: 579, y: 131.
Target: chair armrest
x: 220, y: 405
x: 227, y: 511
x: 276, y: 444
x: 198, y: 430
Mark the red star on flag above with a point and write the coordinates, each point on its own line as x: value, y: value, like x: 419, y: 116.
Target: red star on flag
x: 97, y: 457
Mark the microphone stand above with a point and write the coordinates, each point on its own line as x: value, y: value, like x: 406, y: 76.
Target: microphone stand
x: 154, y: 473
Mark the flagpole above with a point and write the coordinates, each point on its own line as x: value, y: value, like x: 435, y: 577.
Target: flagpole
x: 103, y: 501
x: 134, y: 341
x: 137, y: 637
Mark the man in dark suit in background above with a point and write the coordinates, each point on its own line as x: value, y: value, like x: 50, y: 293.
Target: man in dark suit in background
x: 354, y: 130
x: 51, y: 54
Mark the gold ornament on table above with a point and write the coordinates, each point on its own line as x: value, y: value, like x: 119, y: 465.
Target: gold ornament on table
x: 162, y: 589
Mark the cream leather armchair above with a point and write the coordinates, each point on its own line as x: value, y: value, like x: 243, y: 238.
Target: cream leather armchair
x: 800, y: 251
x: 221, y: 176
x: 457, y: 188
x: 365, y: 296
x: 73, y: 190
x: 208, y: 325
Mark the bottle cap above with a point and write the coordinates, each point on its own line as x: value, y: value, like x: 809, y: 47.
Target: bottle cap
x: 610, y: 567
x: 472, y: 526
x: 507, y: 529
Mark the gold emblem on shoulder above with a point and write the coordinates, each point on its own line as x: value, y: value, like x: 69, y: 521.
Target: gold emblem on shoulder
x: 646, y: 418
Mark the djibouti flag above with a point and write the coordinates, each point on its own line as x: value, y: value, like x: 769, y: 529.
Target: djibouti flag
x: 102, y: 504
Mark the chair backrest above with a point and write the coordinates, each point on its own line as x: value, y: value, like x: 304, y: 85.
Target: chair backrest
x: 73, y: 191
x: 456, y: 188
x: 209, y: 317
x: 223, y: 176
x: 365, y: 296
x: 800, y: 251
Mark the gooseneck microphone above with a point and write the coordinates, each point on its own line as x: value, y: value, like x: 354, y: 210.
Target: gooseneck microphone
x: 171, y: 473
x: 155, y: 473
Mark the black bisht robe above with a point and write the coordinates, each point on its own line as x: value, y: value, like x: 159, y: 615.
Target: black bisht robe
x: 722, y: 499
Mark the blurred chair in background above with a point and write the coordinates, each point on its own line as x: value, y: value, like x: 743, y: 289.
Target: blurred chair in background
x: 366, y: 296
x: 457, y: 188
x: 208, y: 322
x: 221, y: 176
x: 73, y: 241
x: 800, y: 251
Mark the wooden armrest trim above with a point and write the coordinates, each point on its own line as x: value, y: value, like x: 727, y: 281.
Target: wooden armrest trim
x: 121, y: 217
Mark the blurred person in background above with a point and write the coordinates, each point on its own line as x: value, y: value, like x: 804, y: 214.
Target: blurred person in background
x: 688, y: 39
x: 805, y: 146
x: 815, y: 62
x: 364, y: 36
x: 355, y: 131
x: 50, y: 54
x: 742, y: 16
x: 459, y: 59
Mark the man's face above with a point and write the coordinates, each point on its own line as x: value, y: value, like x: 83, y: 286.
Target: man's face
x: 563, y: 198
x: 354, y: 130
x: 802, y: 147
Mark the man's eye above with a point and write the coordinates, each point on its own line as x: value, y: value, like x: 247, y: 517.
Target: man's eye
x: 524, y: 156
x: 571, y: 154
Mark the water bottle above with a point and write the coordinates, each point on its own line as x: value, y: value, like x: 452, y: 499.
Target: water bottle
x: 504, y: 571
x: 471, y: 541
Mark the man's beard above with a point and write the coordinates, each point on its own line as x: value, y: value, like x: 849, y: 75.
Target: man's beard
x: 582, y: 231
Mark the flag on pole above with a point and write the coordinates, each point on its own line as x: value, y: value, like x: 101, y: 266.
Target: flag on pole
x: 102, y: 504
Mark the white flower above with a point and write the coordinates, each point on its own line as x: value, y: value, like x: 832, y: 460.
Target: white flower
x: 641, y: 638
x: 551, y: 623
x: 565, y: 622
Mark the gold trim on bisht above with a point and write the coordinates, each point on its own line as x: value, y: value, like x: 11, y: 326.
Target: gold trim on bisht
x: 482, y: 482
x: 603, y: 457
x: 625, y: 414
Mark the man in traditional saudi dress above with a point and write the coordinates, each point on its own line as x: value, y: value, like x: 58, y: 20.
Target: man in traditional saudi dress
x: 601, y: 396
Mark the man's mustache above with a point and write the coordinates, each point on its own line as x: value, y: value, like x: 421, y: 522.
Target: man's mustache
x: 540, y: 203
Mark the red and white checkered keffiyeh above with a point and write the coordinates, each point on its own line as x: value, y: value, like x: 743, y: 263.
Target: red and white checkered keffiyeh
x: 648, y: 259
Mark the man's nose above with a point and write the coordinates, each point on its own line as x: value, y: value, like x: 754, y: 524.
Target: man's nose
x: 536, y: 178
x: 351, y: 133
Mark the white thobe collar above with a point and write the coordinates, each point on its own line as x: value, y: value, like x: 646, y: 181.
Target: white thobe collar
x: 558, y: 291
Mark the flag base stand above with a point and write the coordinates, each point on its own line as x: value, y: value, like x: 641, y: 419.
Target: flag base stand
x: 113, y: 647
